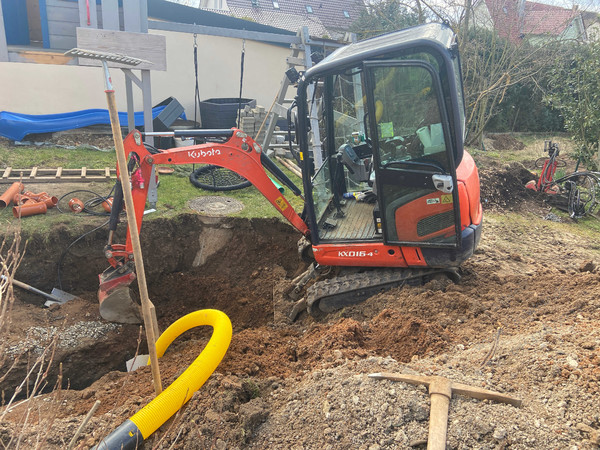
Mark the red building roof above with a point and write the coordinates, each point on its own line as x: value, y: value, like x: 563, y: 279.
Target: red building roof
x: 514, y: 19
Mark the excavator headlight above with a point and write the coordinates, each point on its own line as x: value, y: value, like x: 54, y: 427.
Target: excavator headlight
x: 241, y: 135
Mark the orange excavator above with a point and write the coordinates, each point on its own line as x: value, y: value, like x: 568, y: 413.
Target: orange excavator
x: 390, y: 194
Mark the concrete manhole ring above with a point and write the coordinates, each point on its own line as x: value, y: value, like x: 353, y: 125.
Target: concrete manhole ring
x: 216, y: 205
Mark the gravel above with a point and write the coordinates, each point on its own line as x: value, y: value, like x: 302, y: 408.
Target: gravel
x: 39, y: 338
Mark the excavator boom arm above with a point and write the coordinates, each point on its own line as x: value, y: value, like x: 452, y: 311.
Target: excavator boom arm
x: 239, y: 153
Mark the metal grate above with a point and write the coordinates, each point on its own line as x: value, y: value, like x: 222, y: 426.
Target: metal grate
x: 433, y: 224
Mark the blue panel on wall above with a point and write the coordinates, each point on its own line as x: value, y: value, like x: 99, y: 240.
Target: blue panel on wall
x: 15, y: 22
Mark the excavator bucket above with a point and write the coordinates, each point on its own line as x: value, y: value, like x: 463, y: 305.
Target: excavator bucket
x: 114, y: 295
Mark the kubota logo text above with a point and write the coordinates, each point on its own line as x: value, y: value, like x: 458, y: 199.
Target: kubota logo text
x: 204, y: 153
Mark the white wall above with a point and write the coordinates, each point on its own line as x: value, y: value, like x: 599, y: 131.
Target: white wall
x: 47, y: 88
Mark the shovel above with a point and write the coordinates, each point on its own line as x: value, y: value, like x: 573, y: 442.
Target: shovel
x: 56, y: 297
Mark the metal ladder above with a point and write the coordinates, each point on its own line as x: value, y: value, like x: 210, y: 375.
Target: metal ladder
x: 278, y: 109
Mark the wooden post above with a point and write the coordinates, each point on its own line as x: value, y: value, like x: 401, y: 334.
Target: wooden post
x: 147, y: 305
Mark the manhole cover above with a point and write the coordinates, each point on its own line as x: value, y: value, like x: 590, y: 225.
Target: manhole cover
x: 216, y: 206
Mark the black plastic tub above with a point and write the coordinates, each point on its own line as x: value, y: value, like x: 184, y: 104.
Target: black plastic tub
x: 222, y: 112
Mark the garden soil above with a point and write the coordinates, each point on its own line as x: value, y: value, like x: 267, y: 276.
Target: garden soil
x: 522, y: 321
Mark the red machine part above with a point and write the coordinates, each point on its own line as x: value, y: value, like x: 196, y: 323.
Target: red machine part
x: 239, y: 153
x: 378, y: 254
x: 242, y: 155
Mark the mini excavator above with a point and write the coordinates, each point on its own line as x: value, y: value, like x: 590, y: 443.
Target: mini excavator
x: 396, y: 198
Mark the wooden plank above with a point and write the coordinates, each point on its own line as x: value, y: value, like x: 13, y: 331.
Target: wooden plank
x: 63, y: 42
x: 63, y: 11
x: 44, y: 57
x: 132, y: 16
x: 39, y: 180
x: 56, y: 28
x: 3, y: 46
x: 143, y: 17
x: 151, y: 47
x: 110, y: 14
x: 59, y: 175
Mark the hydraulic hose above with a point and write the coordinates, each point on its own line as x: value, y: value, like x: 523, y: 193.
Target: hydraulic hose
x: 146, y: 421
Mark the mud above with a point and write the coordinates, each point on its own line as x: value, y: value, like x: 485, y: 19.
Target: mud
x: 521, y: 322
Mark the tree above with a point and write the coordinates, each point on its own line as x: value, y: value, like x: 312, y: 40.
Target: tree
x: 575, y: 92
x: 385, y: 16
x: 493, y: 67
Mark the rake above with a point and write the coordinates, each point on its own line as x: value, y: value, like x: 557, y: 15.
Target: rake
x: 120, y: 307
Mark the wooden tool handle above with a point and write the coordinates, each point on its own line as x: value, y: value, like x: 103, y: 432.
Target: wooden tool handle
x: 135, y: 238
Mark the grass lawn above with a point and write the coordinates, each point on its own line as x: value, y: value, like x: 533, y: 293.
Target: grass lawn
x: 174, y: 191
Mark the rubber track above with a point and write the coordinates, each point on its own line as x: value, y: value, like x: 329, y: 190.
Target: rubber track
x: 330, y: 295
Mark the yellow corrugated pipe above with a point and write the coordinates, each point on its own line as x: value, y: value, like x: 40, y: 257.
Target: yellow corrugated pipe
x: 147, y: 420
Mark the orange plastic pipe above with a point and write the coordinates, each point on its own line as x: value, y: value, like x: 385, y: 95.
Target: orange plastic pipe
x: 13, y: 190
x: 29, y: 209
x: 51, y: 202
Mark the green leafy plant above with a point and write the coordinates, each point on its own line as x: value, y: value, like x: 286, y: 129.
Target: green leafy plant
x: 574, y: 92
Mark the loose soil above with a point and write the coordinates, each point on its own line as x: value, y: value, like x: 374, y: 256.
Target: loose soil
x: 523, y: 321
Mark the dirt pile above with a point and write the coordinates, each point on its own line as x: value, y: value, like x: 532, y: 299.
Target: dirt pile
x: 522, y: 321
x: 504, y: 189
x: 505, y: 142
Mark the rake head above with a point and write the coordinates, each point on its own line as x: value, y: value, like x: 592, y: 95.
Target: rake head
x: 106, y: 56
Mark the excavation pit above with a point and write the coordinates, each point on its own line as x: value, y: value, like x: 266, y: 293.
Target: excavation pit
x: 522, y: 321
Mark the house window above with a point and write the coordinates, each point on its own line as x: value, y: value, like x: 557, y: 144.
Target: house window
x: 275, y: 4
x: 309, y: 9
x: 346, y: 14
x: 254, y: 3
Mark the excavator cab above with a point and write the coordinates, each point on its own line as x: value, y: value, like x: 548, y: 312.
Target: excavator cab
x: 391, y: 127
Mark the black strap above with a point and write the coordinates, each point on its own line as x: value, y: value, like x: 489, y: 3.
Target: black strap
x: 197, y: 91
x: 241, y: 82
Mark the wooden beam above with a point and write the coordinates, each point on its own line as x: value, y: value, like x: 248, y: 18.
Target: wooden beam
x: 225, y: 32
x: 240, y: 34
x: 42, y: 57
x: 132, y: 17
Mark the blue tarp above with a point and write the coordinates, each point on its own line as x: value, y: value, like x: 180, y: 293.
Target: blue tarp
x: 16, y: 126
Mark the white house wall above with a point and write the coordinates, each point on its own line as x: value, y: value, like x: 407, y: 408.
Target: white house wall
x: 47, y: 89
